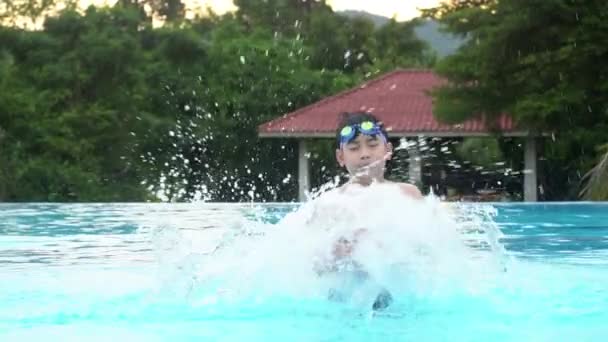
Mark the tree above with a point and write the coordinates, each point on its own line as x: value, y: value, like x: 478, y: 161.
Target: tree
x: 541, y: 62
x: 30, y: 12
x: 285, y: 17
x: 398, y: 45
x: 245, y: 80
x: 75, y: 95
x: 100, y: 105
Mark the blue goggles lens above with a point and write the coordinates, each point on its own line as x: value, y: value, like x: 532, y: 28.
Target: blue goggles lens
x: 367, y: 127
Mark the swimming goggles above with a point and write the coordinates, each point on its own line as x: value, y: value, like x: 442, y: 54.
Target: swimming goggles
x: 366, y: 127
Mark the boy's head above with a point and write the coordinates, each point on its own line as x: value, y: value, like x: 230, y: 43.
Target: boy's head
x: 363, y: 145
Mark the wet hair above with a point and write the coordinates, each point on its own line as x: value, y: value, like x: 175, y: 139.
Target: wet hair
x: 354, y: 118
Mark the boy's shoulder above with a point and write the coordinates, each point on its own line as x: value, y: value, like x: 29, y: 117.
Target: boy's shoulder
x: 409, y: 190
x: 405, y: 188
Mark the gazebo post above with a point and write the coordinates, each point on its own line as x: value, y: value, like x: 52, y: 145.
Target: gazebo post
x: 530, y: 170
x: 391, y: 95
x: 303, y: 170
x: 415, y: 163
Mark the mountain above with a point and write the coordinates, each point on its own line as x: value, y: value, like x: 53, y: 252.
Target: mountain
x: 429, y: 31
x: 443, y: 43
x: 378, y: 20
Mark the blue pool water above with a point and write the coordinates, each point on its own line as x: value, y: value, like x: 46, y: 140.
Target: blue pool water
x: 99, y: 272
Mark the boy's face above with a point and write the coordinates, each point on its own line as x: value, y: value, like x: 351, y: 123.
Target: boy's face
x: 365, y: 156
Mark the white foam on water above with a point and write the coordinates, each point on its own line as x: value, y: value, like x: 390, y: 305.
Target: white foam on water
x: 414, y: 247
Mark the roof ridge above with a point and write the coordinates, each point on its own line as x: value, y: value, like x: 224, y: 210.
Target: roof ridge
x: 343, y: 93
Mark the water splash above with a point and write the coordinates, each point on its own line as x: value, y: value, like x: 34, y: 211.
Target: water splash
x: 410, y: 247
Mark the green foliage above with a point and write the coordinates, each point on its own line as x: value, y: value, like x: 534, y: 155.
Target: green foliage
x: 481, y: 151
x: 101, y: 106
x: 28, y: 12
x: 542, y: 61
x: 596, y: 187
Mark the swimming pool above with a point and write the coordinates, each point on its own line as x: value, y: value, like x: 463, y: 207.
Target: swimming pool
x: 71, y: 272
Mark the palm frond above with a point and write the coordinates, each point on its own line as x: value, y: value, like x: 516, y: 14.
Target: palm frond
x: 596, y: 180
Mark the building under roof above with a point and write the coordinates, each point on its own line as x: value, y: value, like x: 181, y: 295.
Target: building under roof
x: 401, y: 100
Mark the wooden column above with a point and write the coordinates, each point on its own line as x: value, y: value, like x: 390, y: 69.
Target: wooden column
x: 530, y: 171
x: 415, y: 163
x: 303, y: 170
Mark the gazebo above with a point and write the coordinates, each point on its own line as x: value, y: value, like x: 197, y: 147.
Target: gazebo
x: 401, y: 100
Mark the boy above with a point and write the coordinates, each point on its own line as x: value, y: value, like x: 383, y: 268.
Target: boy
x: 363, y: 149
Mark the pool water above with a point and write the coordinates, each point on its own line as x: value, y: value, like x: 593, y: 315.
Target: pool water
x: 99, y: 272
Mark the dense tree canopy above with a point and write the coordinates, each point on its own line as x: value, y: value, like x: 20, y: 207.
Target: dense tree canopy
x: 542, y: 61
x: 105, y: 105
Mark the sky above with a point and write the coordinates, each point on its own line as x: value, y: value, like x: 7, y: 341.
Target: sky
x: 402, y: 9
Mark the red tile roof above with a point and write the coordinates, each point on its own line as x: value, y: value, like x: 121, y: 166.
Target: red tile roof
x: 398, y: 98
